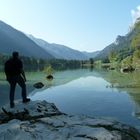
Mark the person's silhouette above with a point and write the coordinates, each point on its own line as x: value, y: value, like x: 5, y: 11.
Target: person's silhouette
x: 15, y: 74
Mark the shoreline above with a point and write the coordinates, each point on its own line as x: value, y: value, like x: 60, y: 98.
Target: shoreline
x: 40, y: 120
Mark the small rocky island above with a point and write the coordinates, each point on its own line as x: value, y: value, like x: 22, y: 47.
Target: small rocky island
x: 40, y: 120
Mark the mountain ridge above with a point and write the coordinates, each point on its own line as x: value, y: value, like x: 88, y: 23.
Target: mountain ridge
x: 12, y: 39
x: 59, y: 51
x: 121, y: 46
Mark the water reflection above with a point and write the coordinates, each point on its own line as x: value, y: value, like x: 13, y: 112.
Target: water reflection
x: 96, y: 93
x: 130, y: 83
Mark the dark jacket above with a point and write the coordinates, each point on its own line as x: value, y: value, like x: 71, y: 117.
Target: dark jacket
x: 13, y: 67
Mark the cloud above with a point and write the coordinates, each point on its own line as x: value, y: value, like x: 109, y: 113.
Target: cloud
x: 135, y: 14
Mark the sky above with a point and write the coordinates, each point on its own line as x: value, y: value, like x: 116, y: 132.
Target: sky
x: 85, y: 25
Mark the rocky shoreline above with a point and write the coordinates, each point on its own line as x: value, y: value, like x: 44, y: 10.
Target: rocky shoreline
x: 40, y: 120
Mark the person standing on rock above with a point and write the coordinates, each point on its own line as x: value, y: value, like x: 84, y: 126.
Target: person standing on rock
x: 15, y: 74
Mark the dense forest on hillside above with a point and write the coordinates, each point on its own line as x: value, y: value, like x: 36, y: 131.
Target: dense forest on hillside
x: 34, y: 64
x: 125, y: 51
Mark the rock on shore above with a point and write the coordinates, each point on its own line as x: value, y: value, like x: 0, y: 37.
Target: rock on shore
x: 40, y: 120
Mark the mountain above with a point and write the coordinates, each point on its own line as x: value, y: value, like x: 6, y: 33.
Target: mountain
x: 91, y: 54
x: 14, y: 40
x: 123, y: 44
x: 59, y: 51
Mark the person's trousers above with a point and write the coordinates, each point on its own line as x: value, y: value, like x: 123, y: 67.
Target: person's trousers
x: 20, y: 81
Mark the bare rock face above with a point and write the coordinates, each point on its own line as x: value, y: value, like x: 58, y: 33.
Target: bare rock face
x: 40, y: 120
x: 28, y: 111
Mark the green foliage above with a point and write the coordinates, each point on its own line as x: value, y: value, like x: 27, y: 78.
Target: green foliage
x: 106, y: 60
x: 135, y: 43
x: 122, y: 54
x: 91, y: 60
x: 61, y: 64
x: 136, y: 59
x: 137, y: 26
x: 127, y: 62
x: 124, y: 47
x: 48, y: 70
x: 112, y: 57
x: 136, y: 54
x: 33, y: 64
x: 129, y: 55
x: 98, y: 63
x: 3, y: 59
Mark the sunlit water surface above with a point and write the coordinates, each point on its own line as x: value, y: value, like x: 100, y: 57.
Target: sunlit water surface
x: 95, y: 93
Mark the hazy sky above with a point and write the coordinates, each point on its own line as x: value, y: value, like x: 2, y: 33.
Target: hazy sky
x: 86, y: 25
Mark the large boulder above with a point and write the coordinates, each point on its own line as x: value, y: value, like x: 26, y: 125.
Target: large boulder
x: 127, y: 69
x: 49, y: 77
x: 38, y: 85
x: 45, y: 121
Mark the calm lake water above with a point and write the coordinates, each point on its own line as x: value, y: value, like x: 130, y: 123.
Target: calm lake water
x: 96, y: 93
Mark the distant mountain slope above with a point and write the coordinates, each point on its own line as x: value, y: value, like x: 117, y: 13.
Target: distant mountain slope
x: 59, y: 51
x: 122, y: 45
x: 14, y: 40
x: 91, y: 54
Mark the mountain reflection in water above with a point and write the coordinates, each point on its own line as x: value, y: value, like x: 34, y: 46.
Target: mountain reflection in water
x: 96, y: 93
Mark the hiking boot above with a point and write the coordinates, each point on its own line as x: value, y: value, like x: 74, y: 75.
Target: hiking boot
x: 26, y: 100
x: 12, y: 105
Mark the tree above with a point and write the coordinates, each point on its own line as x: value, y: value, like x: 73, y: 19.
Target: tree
x: 135, y: 43
x: 48, y: 70
x: 91, y: 61
x: 127, y: 62
x: 112, y: 57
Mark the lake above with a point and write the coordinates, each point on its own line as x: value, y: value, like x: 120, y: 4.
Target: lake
x: 92, y: 92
